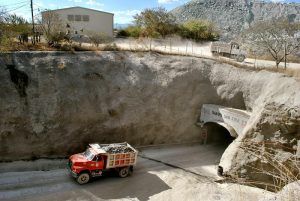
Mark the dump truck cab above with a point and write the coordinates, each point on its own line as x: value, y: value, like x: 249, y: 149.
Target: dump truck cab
x: 98, y: 158
x: 231, y: 50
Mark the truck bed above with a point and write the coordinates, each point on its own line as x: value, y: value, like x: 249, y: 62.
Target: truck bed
x: 118, y: 154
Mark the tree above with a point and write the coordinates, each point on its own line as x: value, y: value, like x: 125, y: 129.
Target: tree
x: 156, y: 21
x: 2, y: 14
x: 99, y: 38
x: 17, y: 24
x: 275, y: 37
x: 131, y: 31
x: 12, y: 26
x: 52, y: 27
x: 198, y: 30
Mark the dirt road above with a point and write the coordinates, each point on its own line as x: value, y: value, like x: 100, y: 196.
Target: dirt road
x: 185, y: 172
x: 186, y: 47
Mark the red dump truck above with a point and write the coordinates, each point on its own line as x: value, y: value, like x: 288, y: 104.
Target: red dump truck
x: 98, y: 158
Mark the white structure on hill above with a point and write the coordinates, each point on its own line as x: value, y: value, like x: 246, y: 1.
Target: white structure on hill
x: 83, y: 21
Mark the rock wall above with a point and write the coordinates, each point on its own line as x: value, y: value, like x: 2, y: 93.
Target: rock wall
x: 53, y: 103
x: 233, y: 16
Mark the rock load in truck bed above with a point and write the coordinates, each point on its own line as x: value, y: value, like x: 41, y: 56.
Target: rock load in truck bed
x: 118, y: 154
x: 116, y: 148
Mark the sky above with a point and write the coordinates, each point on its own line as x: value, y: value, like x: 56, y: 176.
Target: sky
x: 124, y: 10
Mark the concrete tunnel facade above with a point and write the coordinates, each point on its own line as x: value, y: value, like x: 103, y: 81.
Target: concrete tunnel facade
x: 233, y: 120
x: 221, y: 125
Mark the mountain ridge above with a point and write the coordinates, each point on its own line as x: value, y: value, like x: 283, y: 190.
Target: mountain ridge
x: 233, y: 16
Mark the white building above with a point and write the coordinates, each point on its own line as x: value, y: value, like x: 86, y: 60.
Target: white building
x: 83, y: 21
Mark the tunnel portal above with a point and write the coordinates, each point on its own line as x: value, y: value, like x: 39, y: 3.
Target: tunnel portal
x: 217, y: 134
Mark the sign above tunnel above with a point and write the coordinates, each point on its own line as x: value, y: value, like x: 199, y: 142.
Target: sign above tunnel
x: 234, y: 120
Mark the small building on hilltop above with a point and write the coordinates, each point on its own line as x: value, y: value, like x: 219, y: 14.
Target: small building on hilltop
x: 83, y: 21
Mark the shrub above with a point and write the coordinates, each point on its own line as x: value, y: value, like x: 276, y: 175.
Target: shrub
x: 131, y: 31
x: 123, y: 33
x: 12, y: 26
x: 99, y: 38
x: 156, y: 22
x: 198, y: 30
x: 111, y: 47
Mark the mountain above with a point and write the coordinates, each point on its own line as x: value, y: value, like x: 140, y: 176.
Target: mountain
x: 233, y: 16
x: 121, y: 26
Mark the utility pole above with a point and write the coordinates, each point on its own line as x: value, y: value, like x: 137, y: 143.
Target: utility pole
x: 33, y: 28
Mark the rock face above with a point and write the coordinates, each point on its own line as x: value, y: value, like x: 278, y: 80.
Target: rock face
x: 233, y: 16
x: 70, y: 100
x: 53, y: 104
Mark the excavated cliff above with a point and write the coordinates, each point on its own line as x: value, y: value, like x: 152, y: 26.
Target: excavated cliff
x: 233, y: 16
x: 54, y: 103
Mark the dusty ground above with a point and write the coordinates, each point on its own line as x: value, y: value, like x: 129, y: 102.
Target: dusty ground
x: 186, y: 47
x: 141, y: 98
x: 151, y: 180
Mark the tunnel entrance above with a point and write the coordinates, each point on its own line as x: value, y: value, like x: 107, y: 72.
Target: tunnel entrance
x: 217, y: 134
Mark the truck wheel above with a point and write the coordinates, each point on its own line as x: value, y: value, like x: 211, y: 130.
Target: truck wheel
x: 83, y: 178
x: 124, y: 172
x: 240, y: 58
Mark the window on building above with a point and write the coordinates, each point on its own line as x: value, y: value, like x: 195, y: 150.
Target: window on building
x: 85, y: 18
x: 77, y: 17
x: 71, y: 17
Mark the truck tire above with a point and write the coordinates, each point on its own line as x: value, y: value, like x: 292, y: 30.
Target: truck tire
x: 83, y: 178
x: 240, y: 58
x: 124, y: 172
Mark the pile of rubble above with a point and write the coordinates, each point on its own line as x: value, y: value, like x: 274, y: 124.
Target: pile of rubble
x: 117, y: 148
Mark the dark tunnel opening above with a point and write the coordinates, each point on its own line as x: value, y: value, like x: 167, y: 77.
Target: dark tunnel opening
x: 220, y: 137
x: 217, y: 134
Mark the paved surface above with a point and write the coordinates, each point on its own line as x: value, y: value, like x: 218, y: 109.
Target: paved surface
x: 155, y: 178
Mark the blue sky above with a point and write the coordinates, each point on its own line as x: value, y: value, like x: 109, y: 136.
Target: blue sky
x: 123, y: 9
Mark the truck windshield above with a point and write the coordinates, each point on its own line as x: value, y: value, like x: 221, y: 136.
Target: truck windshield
x: 88, y: 154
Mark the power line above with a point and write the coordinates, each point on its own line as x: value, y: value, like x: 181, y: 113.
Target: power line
x: 13, y: 9
x: 14, y: 4
x: 40, y: 6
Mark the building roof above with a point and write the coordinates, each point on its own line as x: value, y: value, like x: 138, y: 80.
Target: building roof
x: 80, y: 8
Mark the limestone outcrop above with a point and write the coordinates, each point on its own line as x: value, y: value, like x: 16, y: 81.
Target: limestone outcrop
x: 54, y: 103
x: 233, y: 16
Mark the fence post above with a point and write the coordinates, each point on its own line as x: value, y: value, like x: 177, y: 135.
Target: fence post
x: 170, y: 46
x: 192, y: 48
x: 186, y: 49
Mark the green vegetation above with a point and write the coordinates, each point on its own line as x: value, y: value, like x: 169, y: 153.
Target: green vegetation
x: 198, y: 30
x: 12, y: 27
x: 158, y: 23
x: 53, y: 28
x: 99, y: 38
x: 131, y: 31
x: 278, y: 38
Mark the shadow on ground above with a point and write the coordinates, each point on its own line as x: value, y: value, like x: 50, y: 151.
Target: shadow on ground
x: 139, y: 186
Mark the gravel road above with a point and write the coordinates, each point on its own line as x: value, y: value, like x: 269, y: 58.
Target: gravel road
x: 182, y: 172
x: 190, y: 48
